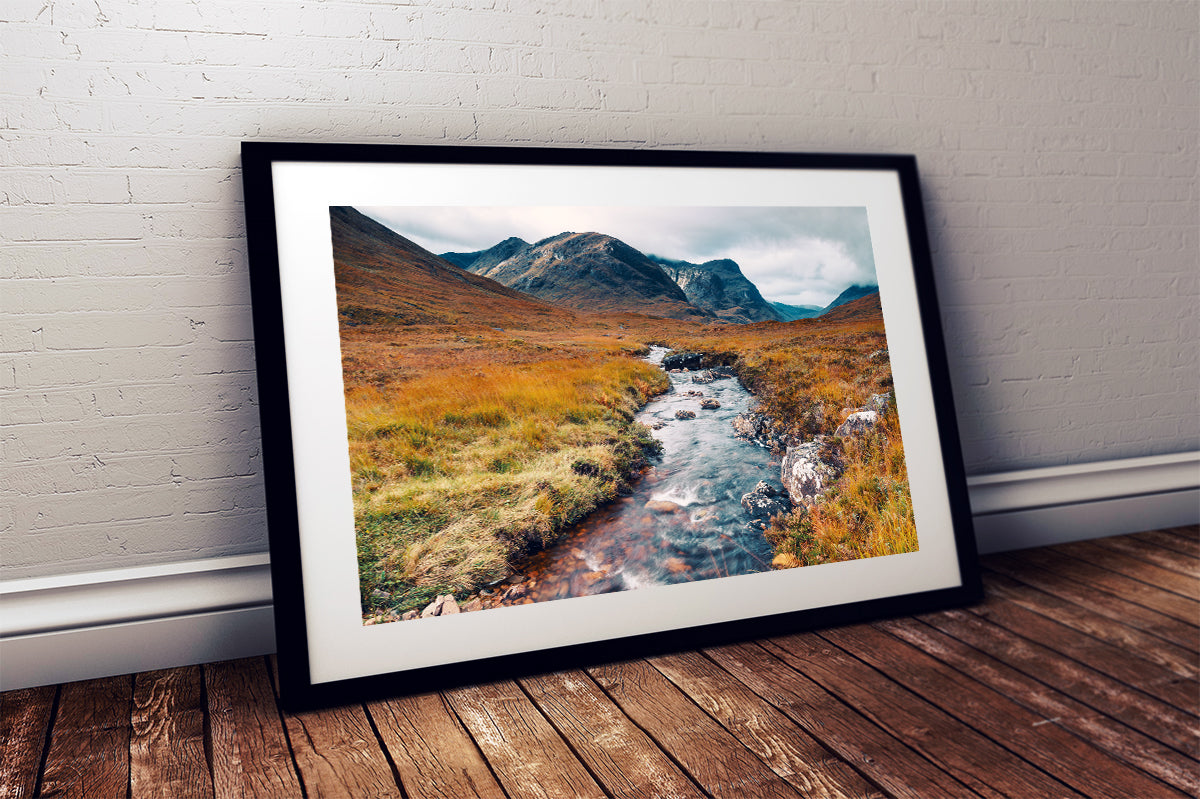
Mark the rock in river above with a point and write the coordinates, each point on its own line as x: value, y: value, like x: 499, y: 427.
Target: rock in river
x: 682, y: 414
x: 682, y: 360
x: 765, y: 501
x: 709, y: 404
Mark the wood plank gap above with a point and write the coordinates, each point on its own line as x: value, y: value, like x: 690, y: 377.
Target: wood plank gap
x: 1054, y: 751
x: 1149, y: 553
x: 89, y: 745
x: 717, y: 761
x: 987, y: 766
x: 570, y: 695
x: 482, y: 755
x: 1056, y: 707
x: 272, y: 667
x: 886, y: 760
x: 1129, y: 588
x: 785, y: 746
x: 1110, y: 604
x: 666, y: 753
x: 1152, y: 717
x: 166, y: 748
x: 579, y: 755
x: 37, y: 791
x: 1131, y: 640
x: 251, y: 755
x: 1136, y: 672
x: 387, y: 755
x: 1120, y: 563
x: 26, y: 718
x: 1184, y: 540
x: 431, y: 748
x: 331, y: 751
x: 529, y: 756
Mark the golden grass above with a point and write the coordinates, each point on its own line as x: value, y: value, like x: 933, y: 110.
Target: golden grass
x: 867, y: 513
x: 458, y: 472
x: 474, y: 446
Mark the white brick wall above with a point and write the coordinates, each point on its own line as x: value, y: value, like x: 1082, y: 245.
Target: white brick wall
x: 1057, y: 142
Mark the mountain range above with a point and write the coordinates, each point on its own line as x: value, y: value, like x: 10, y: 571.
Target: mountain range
x: 596, y: 272
x: 378, y: 272
x: 585, y: 271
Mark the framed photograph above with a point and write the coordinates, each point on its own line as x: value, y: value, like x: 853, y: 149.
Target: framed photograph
x: 530, y: 408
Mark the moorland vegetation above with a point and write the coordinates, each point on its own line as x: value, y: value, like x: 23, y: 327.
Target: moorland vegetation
x: 483, y: 423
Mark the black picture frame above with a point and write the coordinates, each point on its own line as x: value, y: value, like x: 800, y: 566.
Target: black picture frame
x: 289, y: 187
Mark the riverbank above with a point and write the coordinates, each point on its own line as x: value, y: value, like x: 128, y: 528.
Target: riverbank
x: 683, y: 519
x: 465, y: 472
x: 848, y: 483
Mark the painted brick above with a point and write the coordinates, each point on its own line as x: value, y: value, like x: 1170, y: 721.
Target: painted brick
x: 1057, y: 142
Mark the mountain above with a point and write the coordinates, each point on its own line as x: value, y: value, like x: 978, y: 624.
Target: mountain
x: 849, y: 295
x: 790, y: 313
x: 383, y: 278
x: 485, y: 259
x: 720, y: 288
x: 863, y: 309
x: 591, y: 272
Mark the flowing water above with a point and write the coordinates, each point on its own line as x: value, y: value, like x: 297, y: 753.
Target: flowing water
x: 684, y: 520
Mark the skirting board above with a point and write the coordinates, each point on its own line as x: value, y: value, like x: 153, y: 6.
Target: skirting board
x: 81, y: 626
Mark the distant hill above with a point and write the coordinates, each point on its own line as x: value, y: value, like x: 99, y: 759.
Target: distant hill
x: 720, y: 288
x: 590, y: 272
x: 484, y: 259
x: 862, y: 309
x: 849, y: 295
x: 383, y: 278
x: 789, y: 313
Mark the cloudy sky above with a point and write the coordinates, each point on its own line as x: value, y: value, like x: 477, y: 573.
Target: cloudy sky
x: 800, y: 256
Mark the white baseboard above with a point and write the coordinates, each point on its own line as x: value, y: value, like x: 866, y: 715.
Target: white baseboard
x: 81, y: 626
x: 1040, y: 507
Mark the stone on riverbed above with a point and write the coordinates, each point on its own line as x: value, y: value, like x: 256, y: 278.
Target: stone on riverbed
x: 442, y: 606
x: 709, y: 404
x: 663, y: 506
x: 683, y: 414
x: 759, y: 428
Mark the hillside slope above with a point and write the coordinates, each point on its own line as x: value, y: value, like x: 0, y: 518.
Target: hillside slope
x: 383, y: 278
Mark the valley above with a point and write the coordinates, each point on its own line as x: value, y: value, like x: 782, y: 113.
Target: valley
x: 487, y: 424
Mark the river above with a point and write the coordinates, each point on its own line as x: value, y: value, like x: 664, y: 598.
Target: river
x: 684, y: 520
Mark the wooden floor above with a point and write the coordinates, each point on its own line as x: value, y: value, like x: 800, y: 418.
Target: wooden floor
x: 1077, y: 677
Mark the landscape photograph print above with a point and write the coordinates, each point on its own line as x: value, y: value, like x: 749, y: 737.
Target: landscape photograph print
x: 554, y: 402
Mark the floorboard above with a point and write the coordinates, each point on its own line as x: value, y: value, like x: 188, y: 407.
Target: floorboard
x: 89, y: 743
x: 1077, y: 676
x: 24, y: 721
x: 167, y: 739
x: 792, y: 753
x: 431, y: 750
x: 250, y: 753
x: 623, y: 758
